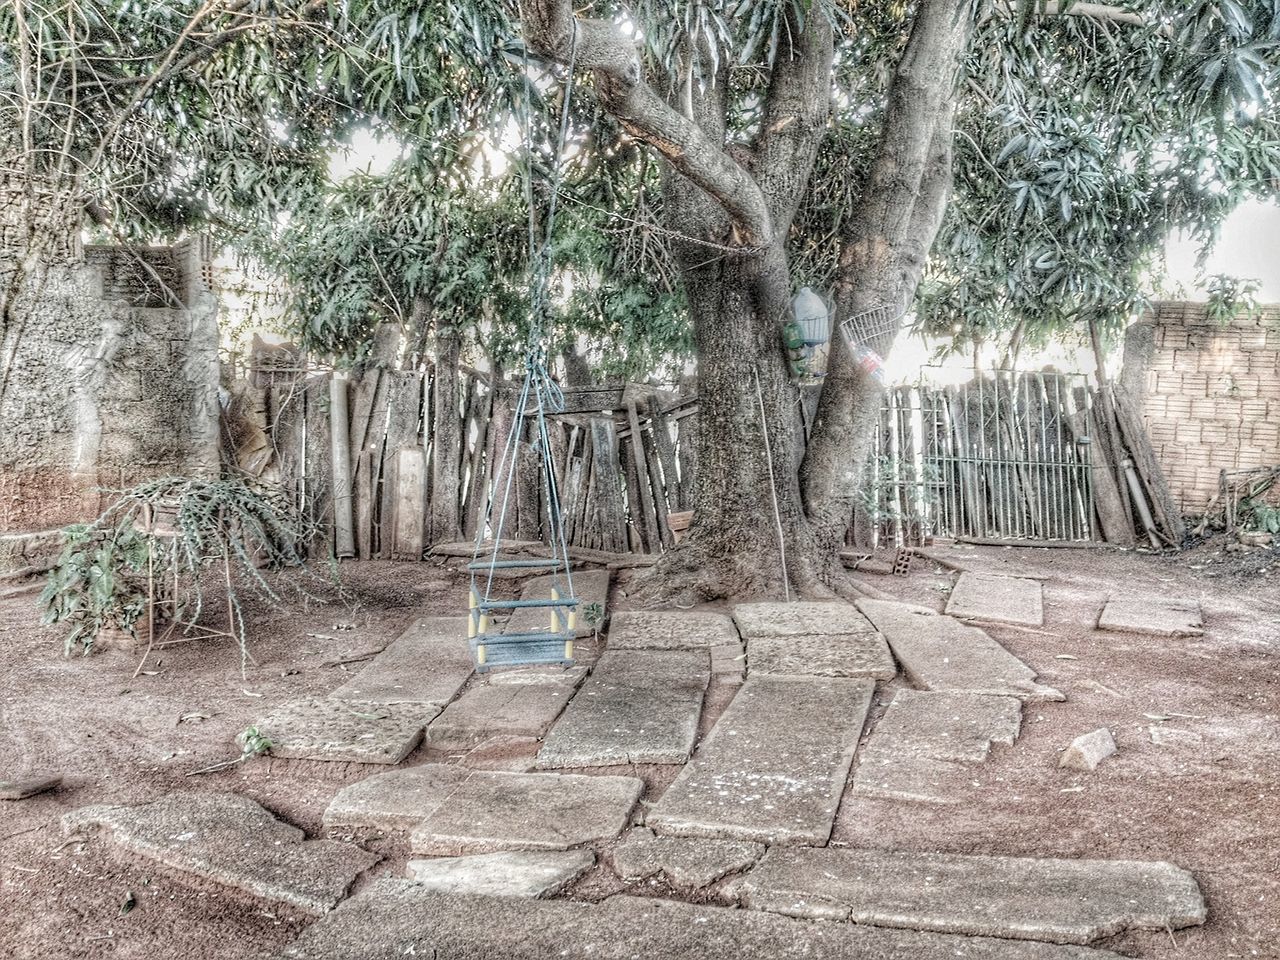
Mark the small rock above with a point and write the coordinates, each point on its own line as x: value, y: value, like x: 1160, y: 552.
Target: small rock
x: 1089, y: 750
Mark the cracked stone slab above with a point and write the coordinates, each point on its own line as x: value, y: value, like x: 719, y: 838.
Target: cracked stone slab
x: 392, y: 919
x: 531, y: 874
x: 492, y: 811
x: 1157, y: 616
x: 326, y: 728
x: 229, y: 839
x: 1059, y: 901
x: 830, y: 655
x: 920, y: 748
x: 773, y: 767
x: 591, y: 586
x: 805, y: 618
x: 686, y: 862
x: 941, y: 653
x: 526, y: 708
x: 638, y: 706
x: 986, y: 596
x: 670, y: 630
x: 393, y: 802
x: 428, y: 663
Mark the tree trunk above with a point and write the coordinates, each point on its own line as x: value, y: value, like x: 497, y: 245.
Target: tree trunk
x: 445, y: 524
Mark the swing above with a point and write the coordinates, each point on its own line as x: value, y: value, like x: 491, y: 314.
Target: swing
x: 491, y: 645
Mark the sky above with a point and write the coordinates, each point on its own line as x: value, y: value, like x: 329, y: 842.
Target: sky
x: 1249, y: 249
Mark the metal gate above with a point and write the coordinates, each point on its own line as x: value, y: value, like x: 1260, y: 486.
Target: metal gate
x: 1004, y: 456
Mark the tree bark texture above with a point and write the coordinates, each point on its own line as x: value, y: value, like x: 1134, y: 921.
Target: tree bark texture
x: 445, y: 523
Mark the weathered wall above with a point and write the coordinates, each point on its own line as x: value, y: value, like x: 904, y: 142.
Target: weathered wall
x: 110, y: 376
x: 1210, y: 394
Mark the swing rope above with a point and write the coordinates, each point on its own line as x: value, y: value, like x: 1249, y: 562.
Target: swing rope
x: 539, y: 388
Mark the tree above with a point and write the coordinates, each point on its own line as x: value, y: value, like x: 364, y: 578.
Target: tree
x: 742, y: 101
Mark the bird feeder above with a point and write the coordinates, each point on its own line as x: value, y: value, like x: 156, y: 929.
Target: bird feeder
x: 811, y: 317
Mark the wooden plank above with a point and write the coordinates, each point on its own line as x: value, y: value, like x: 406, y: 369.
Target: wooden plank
x: 340, y: 458
x: 613, y: 529
x: 364, y: 504
x: 528, y: 482
x: 657, y: 488
x: 594, y: 399
x: 287, y: 410
x: 404, y: 407
x: 635, y: 523
x: 317, y: 478
x: 472, y: 513
x: 410, y: 503
x: 667, y: 456
x: 648, y: 513
x: 1164, y: 507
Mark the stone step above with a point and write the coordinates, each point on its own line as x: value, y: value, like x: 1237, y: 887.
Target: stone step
x: 428, y: 663
x: 638, y: 706
x: 1058, y: 901
x: 689, y: 863
x: 941, y: 653
x: 395, y: 802
x: 921, y: 746
x: 1156, y: 616
x: 774, y: 766
x: 804, y: 618
x: 229, y: 839
x: 350, y: 731
x: 508, y: 874
x: 985, y: 596
x: 670, y: 630
x: 827, y: 655
x: 491, y: 811
x: 392, y: 919
x: 519, y: 703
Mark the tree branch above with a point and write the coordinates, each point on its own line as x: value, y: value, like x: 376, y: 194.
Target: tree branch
x: 1094, y: 11
x: 549, y: 29
x: 797, y: 107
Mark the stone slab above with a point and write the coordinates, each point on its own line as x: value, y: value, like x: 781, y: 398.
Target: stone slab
x: 941, y: 653
x: 518, y: 709
x: 921, y: 747
x: 638, y: 706
x: 229, y: 839
x: 773, y: 767
x: 985, y: 596
x: 591, y: 586
x: 804, y: 618
x: 393, y: 919
x: 393, y: 802
x: 492, y: 811
x: 1157, y: 616
x: 28, y: 787
x: 1059, y: 901
x: 509, y: 874
x: 326, y: 728
x: 428, y: 663
x: 670, y: 630
x: 686, y: 862
x: 829, y: 655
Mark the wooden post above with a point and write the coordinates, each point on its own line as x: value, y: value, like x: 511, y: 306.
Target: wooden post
x: 343, y: 534
x: 410, y: 501
x: 652, y: 532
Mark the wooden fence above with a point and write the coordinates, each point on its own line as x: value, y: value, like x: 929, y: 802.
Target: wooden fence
x: 623, y: 460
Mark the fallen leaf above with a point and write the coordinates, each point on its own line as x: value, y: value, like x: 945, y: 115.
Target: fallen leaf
x: 1065, y: 656
x: 250, y: 693
x: 130, y: 901
x: 194, y: 717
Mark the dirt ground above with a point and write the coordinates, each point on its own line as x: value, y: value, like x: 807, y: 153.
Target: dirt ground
x: 1211, y: 806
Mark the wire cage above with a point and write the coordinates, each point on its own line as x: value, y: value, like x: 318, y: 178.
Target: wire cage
x: 866, y: 333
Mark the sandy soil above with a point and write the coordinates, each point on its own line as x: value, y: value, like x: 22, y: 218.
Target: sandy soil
x: 1212, y: 807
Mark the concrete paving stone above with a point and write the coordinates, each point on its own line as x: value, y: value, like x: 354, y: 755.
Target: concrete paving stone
x: 1088, y: 750
x: 984, y: 596
x: 1158, y: 616
x: 638, y: 706
x: 942, y: 653
x: 492, y: 811
x: 670, y: 630
x: 804, y: 618
x: 25, y: 787
x: 829, y: 655
x: 326, y: 728
x: 688, y: 863
x: 532, y: 874
x: 229, y: 839
x: 428, y: 663
x: 915, y: 779
x: 774, y: 765
x: 1173, y: 737
x: 393, y: 919
x: 591, y: 586
x: 946, y: 725
x: 488, y: 709
x: 1059, y: 901
x: 393, y: 802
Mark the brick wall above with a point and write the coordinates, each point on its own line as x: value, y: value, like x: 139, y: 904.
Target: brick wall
x: 1209, y: 392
